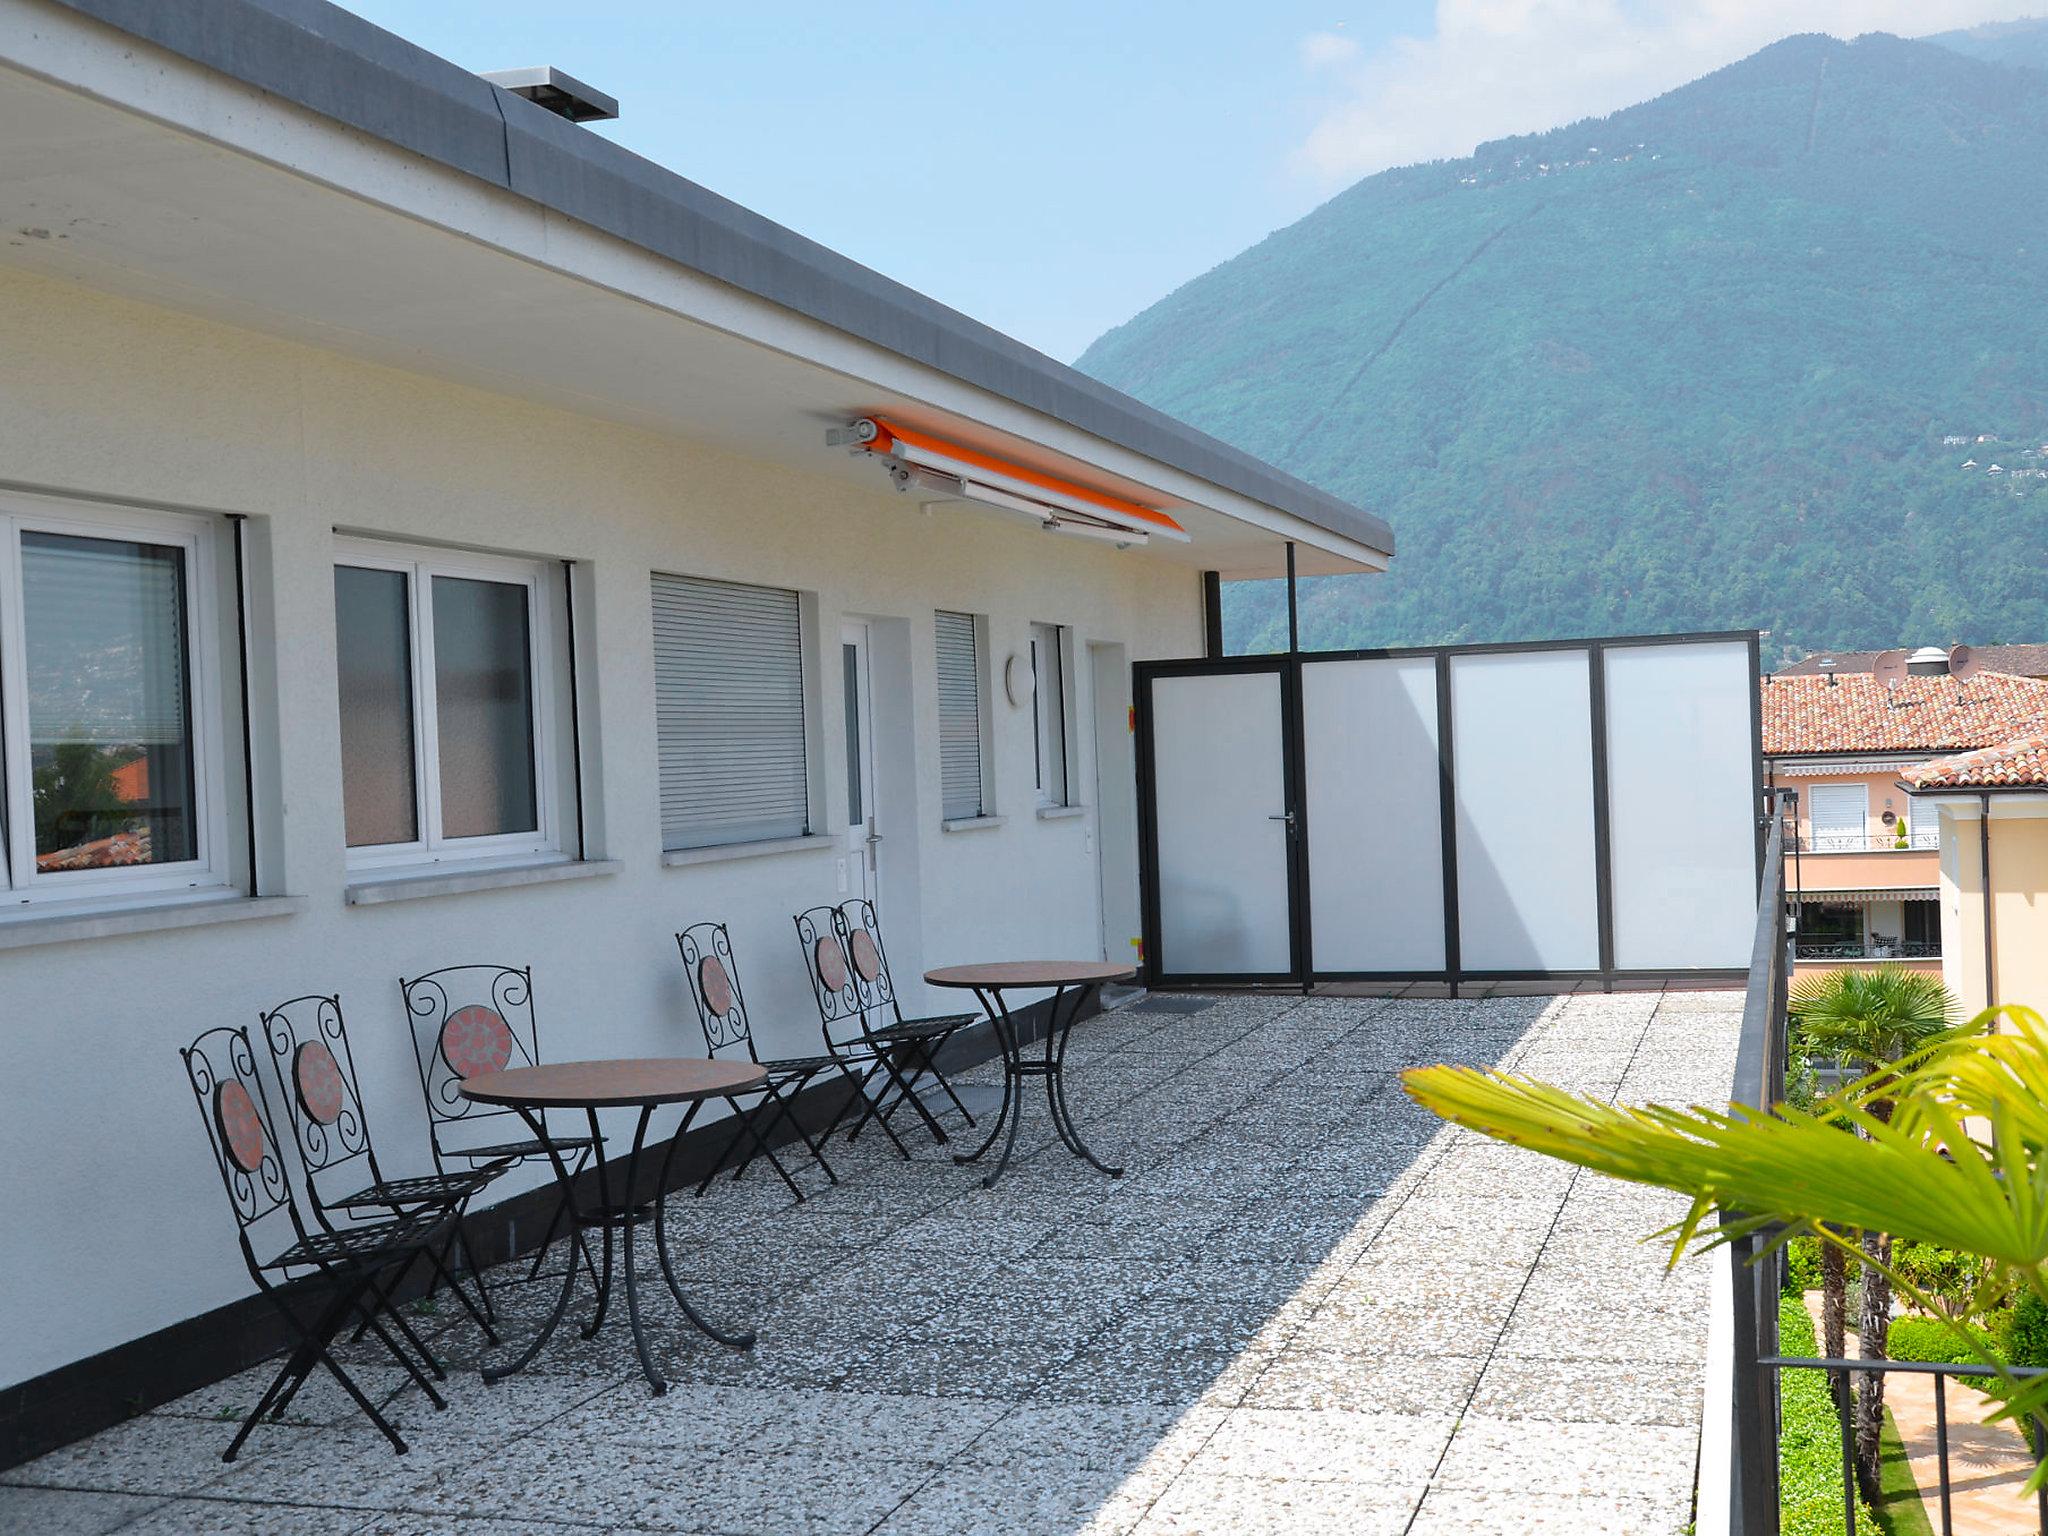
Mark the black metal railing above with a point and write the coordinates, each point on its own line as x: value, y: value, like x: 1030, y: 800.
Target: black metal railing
x: 1822, y: 949
x: 1763, y: 1061
x: 1839, y: 1373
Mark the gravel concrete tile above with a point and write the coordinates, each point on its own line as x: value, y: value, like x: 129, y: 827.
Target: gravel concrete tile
x: 1250, y: 1506
x: 65, y: 1512
x: 1394, y: 1380
x: 146, y: 1455
x: 1588, y: 1391
x: 1472, y: 1512
x: 1651, y: 1461
x: 1326, y: 1444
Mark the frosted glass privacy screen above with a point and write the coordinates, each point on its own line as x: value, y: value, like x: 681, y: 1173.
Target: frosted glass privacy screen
x: 1682, y: 804
x: 1217, y: 784
x: 1522, y: 748
x: 1369, y: 738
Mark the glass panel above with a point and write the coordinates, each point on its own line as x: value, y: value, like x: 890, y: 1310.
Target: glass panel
x: 483, y: 707
x: 1219, y: 793
x: 373, y: 648
x: 1049, y: 715
x: 1681, y: 805
x: 1522, y: 749
x: 855, y: 812
x: 1375, y: 815
x: 109, y: 719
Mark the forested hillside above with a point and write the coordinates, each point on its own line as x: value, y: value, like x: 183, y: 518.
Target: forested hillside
x: 1769, y: 350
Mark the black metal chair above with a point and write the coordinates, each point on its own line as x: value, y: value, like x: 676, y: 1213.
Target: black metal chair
x: 348, y: 1273
x: 862, y: 1020
x: 316, y: 1077
x: 722, y: 1014
x: 470, y: 1019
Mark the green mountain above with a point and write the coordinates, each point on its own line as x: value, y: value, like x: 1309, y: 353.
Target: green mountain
x: 1742, y: 355
x: 2001, y: 42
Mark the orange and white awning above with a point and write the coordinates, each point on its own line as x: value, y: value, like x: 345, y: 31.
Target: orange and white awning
x: 919, y: 461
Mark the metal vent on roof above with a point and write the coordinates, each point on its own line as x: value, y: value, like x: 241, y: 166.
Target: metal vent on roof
x: 563, y: 95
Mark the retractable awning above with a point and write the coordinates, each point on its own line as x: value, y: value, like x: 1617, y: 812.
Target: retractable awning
x: 1869, y: 895
x: 919, y: 461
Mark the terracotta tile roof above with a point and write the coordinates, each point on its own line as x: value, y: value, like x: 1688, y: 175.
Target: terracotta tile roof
x: 1853, y: 714
x: 2021, y: 764
x: 2020, y: 660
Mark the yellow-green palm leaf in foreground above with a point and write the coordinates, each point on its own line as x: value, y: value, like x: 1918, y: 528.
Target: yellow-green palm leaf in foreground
x: 1958, y: 1164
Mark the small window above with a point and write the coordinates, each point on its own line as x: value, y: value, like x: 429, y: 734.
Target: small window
x: 1049, y: 711
x: 446, y: 702
x: 111, y: 740
x: 960, y: 775
x: 729, y: 713
x: 1838, y: 813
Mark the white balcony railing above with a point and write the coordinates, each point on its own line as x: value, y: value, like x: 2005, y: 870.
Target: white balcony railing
x: 1870, y: 842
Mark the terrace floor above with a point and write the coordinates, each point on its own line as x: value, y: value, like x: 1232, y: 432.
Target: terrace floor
x: 1308, y: 1307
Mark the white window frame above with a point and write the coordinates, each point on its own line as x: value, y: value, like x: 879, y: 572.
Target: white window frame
x: 1050, y: 716
x: 421, y: 564
x: 21, y: 880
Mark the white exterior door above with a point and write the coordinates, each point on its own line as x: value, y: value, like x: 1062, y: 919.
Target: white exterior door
x: 863, y: 839
x: 1838, y: 813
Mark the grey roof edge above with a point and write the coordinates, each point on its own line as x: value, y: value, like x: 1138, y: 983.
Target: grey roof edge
x: 332, y: 62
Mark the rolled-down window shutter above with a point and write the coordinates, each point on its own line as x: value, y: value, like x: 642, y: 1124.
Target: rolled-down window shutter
x: 959, y: 718
x: 729, y: 711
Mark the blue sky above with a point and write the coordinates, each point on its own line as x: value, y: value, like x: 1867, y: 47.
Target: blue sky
x: 1053, y: 167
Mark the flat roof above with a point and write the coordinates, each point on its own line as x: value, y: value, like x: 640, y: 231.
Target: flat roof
x: 327, y: 60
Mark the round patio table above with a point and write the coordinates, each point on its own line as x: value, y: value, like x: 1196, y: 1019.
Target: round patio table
x: 1072, y: 982
x: 644, y: 1084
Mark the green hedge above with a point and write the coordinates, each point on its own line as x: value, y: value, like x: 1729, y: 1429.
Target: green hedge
x: 1810, y: 1451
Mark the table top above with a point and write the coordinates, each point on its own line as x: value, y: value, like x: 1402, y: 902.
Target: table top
x: 605, y: 1084
x: 997, y: 974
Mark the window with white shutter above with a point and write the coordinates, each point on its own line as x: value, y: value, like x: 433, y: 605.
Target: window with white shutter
x: 1924, y: 820
x: 729, y: 713
x: 1838, y: 812
x: 960, y: 776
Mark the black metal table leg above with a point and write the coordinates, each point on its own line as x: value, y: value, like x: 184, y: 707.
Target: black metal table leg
x: 1056, y: 1079
x: 743, y: 1340
x: 1013, y: 1098
x: 628, y: 1215
x: 496, y: 1373
x: 1052, y: 1068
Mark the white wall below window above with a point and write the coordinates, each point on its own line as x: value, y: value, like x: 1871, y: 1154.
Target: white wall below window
x: 115, y: 1218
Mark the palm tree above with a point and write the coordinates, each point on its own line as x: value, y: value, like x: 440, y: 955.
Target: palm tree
x: 1918, y: 1173
x: 1872, y: 1020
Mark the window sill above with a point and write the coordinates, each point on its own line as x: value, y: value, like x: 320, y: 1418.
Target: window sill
x: 453, y: 880
x: 720, y: 853
x: 27, y: 926
x: 971, y: 824
x: 1061, y: 812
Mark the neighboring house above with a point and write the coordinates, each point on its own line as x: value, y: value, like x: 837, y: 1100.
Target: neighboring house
x: 1866, y: 867
x: 1993, y: 808
x: 2017, y: 660
x: 435, y: 500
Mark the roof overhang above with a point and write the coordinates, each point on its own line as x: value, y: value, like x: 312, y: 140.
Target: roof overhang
x: 284, y: 165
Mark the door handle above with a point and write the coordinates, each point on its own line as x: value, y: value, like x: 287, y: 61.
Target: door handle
x: 1286, y: 816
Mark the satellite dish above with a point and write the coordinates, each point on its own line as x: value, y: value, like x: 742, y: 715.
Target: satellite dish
x: 1961, y: 664
x: 1889, y: 670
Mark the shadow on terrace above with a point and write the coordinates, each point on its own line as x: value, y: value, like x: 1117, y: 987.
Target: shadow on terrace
x: 1306, y: 1308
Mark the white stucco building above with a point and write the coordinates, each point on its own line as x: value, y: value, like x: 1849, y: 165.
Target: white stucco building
x: 357, y: 419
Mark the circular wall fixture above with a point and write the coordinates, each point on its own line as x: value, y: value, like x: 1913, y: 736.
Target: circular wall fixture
x: 1019, y: 681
